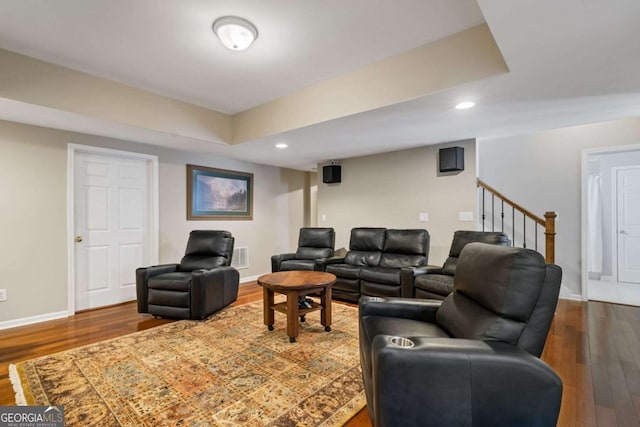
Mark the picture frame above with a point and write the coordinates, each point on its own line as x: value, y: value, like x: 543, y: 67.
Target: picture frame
x: 218, y: 194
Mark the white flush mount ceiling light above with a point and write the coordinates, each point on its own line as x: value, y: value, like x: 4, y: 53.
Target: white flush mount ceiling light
x: 465, y: 105
x: 281, y: 145
x: 234, y: 32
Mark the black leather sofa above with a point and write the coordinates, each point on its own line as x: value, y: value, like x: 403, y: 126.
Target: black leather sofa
x: 203, y: 282
x: 380, y: 262
x: 437, y: 283
x: 471, y: 359
x: 315, y: 245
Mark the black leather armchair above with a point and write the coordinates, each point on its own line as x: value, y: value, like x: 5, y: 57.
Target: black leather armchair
x: 472, y: 359
x: 203, y: 282
x: 437, y: 283
x: 315, y: 245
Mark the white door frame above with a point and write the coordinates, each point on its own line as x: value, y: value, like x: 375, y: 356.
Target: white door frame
x: 153, y: 220
x: 584, y: 209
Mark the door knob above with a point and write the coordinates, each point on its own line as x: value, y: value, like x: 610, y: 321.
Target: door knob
x: 78, y: 239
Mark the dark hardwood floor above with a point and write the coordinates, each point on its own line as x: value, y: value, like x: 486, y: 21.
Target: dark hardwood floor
x: 594, y: 347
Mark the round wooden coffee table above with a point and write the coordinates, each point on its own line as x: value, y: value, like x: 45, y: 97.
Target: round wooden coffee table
x: 296, y: 284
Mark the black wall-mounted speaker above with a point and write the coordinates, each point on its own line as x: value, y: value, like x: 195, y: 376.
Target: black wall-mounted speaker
x: 331, y: 174
x: 451, y: 159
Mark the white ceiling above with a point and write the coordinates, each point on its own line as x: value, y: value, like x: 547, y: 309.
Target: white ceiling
x: 571, y: 62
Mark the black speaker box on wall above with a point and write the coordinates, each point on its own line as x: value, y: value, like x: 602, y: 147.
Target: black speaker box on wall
x: 331, y: 174
x: 451, y: 159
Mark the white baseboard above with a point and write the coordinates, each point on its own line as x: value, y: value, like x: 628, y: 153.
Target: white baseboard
x: 565, y: 293
x: 60, y: 314
x: 250, y: 278
x: 33, y: 319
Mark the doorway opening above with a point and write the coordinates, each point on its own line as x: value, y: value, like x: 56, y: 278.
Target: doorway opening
x: 611, y: 224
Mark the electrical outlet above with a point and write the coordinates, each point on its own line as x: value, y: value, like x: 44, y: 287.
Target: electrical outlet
x: 3, y: 294
x: 423, y: 216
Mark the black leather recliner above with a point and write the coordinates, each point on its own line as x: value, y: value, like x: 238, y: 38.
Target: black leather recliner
x: 380, y: 262
x: 203, y: 282
x: 472, y: 359
x: 315, y: 245
x: 437, y: 283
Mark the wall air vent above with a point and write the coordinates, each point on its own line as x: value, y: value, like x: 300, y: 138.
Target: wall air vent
x: 240, y: 258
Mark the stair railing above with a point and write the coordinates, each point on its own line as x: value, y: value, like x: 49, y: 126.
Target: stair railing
x: 548, y: 223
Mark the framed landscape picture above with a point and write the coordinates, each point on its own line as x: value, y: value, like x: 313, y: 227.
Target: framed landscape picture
x: 218, y: 194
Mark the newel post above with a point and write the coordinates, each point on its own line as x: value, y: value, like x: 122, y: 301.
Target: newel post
x: 550, y: 236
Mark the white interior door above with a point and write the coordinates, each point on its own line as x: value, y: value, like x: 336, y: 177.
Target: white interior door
x: 111, y: 225
x: 628, y: 224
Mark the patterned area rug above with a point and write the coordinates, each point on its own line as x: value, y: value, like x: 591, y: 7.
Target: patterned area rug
x: 228, y: 370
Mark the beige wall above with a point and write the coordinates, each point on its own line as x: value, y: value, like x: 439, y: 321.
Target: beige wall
x: 313, y: 199
x: 33, y: 263
x: 33, y: 250
x: 542, y: 172
x: 391, y: 189
x: 277, y: 212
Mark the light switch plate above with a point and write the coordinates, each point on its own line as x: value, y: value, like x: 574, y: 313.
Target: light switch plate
x: 465, y: 216
x: 3, y: 294
x: 423, y: 216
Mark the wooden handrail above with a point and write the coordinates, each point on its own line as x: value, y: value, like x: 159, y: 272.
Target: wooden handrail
x: 548, y: 222
x: 492, y: 190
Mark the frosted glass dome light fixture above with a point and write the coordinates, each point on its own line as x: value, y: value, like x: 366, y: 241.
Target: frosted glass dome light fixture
x: 234, y: 32
x: 465, y: 105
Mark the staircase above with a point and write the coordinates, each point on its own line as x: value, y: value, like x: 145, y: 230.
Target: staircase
x: 499, y: 213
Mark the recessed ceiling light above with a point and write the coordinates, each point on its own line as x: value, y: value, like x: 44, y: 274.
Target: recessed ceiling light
x: 465, y: 105
x: 234, y: 32
x: 281, y: 145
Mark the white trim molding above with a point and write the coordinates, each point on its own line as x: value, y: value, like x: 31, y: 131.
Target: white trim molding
x: 565, y: 293
x: 244, y: 280
x: 33, y: 319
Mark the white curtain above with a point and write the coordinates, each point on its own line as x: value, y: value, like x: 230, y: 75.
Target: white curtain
x: 594, y: 220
